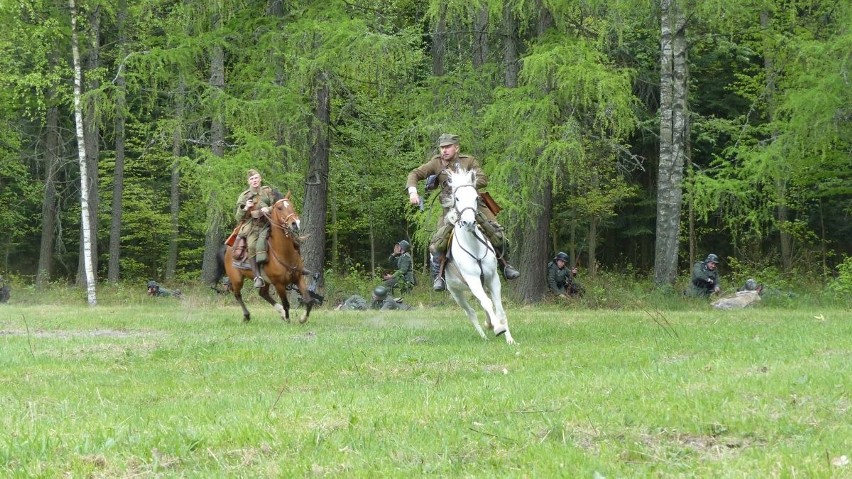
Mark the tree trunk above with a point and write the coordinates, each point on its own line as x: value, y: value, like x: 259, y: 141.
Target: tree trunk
x: 593, y: 246
x: 674, y: 130
x: 782, y: 211
x: 81, y: 151
x: 174, y: 192
x: 93, y: 149
x: 439, y: 43
x: 480, y: 37
x: 49, y: 205
x: 316, y: 182
x: 511, y: 63
x: 213, y: 238
x: 113, y: 265
x: 532, y: 261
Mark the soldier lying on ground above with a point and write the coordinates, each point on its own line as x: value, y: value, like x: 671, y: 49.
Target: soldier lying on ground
x: 154, y: 289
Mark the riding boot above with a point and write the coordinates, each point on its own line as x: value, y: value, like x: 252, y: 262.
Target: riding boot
x: 508, y: 270
x: 438, y: 271
x: 258, y: 280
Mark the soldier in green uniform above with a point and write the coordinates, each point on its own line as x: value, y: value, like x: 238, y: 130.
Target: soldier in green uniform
x: 450, y: 159
x: 154, y: 289
x: 382, y: 302
x: 705, y: 277
x: 404, y: 274
x: 560, y: 278
x: 253, y: 206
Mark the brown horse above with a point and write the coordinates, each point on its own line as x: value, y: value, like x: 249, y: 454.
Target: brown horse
x: 284, y: 267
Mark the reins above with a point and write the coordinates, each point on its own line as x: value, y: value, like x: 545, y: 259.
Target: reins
x: 479, y: 237
x: 289, y: 233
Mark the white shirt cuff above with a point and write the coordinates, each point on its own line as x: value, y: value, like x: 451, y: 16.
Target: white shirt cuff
x: 412, y: 190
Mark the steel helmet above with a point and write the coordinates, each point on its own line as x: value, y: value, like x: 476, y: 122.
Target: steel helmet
x: 561, y: 255
x: 712, y: 258
x: 404, y: 245
x: 751, y: 285
x: 380, y: 292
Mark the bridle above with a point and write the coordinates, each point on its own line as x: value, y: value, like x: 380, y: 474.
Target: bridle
x: 477, y: 233
x: 288, y: 231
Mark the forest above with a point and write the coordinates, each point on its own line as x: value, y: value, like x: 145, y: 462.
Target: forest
x: 637, y: 136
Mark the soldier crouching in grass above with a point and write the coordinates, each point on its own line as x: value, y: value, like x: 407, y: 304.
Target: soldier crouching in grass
x: 560, y: 278
x: 155, y: 290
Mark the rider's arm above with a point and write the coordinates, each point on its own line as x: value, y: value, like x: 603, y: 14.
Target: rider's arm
x: 242, y: 212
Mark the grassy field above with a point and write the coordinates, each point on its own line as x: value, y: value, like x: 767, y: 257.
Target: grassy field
x: 140, y: 387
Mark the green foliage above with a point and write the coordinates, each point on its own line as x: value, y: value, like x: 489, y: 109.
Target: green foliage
x: 769, y: 104
x: 842, y: 284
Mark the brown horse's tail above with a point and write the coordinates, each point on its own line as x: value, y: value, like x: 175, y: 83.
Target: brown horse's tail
x: 220, y: 265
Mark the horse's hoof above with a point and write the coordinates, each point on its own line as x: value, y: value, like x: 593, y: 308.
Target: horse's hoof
x: 500, y: 332
x: 246, y: 319
x: 303, y: 319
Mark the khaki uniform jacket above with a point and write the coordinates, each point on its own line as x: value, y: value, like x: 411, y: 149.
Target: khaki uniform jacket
x: 262, y: 198
x: 435, y: 166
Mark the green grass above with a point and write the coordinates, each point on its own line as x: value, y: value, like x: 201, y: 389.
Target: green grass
x: 163, y: 387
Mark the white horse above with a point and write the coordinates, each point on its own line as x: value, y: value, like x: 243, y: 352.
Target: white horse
x: 472, y: 262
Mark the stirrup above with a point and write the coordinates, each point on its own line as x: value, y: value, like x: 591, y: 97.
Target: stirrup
x: 510, y: 273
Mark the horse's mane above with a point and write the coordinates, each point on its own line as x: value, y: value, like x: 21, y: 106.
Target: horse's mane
x: 461, y: 176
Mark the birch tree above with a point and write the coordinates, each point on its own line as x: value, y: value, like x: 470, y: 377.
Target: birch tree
x: 81, y: 152
x: 674, y: 134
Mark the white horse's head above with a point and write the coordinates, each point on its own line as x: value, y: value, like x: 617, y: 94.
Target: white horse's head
x: 465, y: 197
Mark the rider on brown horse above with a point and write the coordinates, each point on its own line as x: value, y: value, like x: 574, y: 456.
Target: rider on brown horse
x: 252, y: 208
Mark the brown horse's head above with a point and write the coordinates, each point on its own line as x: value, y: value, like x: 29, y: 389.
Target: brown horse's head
x: 284, y: 217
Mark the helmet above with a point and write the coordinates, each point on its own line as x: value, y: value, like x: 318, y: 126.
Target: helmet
x: 380, y: 292
x: 751, y: 285
x: 562, y: 256
x: 712, y: 258
x: 153, y: 284
x: 404, y: 245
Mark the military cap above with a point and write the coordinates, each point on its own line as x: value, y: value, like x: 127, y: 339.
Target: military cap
x: 252, y: 172
x: 448, y: 139
x: 404, y: 245
x: 712, y: 258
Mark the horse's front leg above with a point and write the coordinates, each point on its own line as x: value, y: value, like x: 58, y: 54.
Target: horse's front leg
x: 458, y: 295
x: 239, y: 297
x: 283, y: 308
x: 501, y: 322
x: 264, y: 293
x: 307, y: 300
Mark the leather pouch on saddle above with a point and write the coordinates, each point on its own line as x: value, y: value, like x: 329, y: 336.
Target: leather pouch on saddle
x: 489, y: 202
x: 240, y: 249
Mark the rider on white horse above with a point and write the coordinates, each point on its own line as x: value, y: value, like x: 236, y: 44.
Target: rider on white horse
x: 437, y: 167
